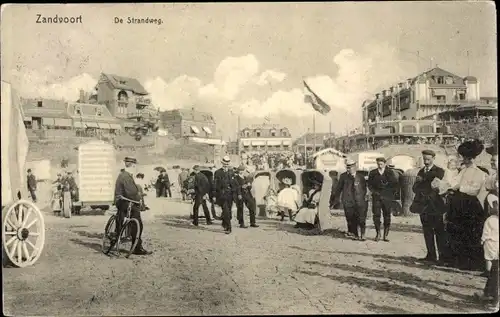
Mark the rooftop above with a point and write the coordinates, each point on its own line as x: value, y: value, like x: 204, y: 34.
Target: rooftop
x: 125, y: 83
x: 309, y: 138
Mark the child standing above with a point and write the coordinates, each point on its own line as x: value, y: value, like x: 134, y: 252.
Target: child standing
x: 489, y: 240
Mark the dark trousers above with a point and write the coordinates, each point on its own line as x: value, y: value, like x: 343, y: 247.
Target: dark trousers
x: 356, y: 218
x: 198, y: 200
x: 158, y: 188
x: 248, y: 201
x: 33, y: 194
x: 135, y: 213
x: 434, y: 235
x: 381, y: 208
x: 491, y: 288
x: 226, y: 204
x: 166, y: 191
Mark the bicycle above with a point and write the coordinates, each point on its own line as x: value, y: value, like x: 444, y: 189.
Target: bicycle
x: 125, y: 234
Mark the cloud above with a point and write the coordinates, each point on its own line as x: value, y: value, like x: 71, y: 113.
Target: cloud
x: 45, y: 84
x: 238, y: 87
x: 181, y: 92
x: 270, y: 76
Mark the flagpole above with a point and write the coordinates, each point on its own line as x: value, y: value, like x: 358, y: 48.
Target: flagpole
x: 314, y: 132
x: 330, y: 134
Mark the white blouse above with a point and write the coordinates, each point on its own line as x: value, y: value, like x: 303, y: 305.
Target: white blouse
x: 469, y: 181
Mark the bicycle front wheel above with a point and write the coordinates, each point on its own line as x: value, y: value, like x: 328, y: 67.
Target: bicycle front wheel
x: 109, y: 238
x: 129, y: 237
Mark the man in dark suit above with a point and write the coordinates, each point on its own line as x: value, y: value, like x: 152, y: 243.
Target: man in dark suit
x: 125, y: 186
x: 31, y: 182
x: 165, y: 184
x: 224, y: 192
x: 431, y: 208
x: 352, y: 187
x: 201, y: 192
x: 383, y: 184
x: 244, y: 196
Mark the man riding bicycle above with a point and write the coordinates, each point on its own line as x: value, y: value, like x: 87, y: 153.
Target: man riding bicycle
x: 127, y: 188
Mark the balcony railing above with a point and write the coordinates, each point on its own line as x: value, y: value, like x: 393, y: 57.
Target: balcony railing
x: 143, y: 101
x: 450, y: 102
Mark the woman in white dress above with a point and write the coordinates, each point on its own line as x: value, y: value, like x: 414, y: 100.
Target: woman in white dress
x: 307, y: 217
x: 288, y: 199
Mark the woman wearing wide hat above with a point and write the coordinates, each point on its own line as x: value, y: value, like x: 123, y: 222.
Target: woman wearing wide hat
x: 466, y: 213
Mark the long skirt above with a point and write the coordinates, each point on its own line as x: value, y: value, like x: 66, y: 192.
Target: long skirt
x: 306, y: 215
x: 465, y: 227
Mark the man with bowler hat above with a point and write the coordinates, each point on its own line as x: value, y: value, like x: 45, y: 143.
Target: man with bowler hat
x: 244, y: 197
x: 383, y: 184
x: 352, y: 187
x: 201, y: 191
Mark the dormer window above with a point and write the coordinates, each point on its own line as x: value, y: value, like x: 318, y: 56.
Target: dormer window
x: 98, y: 112
x: 78, y: 111
x: 39, y: 104
x: 449, y: 80
x: 273, y: 132
x: 284, y: 133
x: 257, y: 133
x: 122, y: 82
x: 440, y: 80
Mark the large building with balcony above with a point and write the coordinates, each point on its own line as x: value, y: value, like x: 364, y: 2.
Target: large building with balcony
x: 421, y: 108
x: 123, y: 96
x: 259, y: 138
x: 429, y: 93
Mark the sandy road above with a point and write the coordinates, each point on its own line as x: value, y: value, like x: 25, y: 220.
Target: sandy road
x: 274, y: 269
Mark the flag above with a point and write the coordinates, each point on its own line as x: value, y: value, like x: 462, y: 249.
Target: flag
x: 317, y: 103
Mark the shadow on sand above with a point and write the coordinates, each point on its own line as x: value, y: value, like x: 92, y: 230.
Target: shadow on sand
x: 91, y: 245
x: 408, y: 261
x: 91, y: 235
x: 184, y: 222
x: 464, y: 303
x: 378, y: 309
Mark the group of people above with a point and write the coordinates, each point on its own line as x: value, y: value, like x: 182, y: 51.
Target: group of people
x: 229, y: 185
x: 458, y: 208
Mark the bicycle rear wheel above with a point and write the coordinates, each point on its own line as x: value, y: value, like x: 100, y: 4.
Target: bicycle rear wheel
x: 126, y: 242
x: 109, y: 238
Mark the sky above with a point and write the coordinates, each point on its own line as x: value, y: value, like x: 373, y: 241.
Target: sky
x: 249, y: 59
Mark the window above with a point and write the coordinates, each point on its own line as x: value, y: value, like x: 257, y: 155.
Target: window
x: 449, y: 80
x: 273, y: 133
x: 98, y: 112
x: 461, y: 96
x: 441, y: 99
x: 440, y: 80
x: 78, y: 111
x: 258, y: 134
x: 247, y: 134
x: 284, y: 133
x: 39, y: 104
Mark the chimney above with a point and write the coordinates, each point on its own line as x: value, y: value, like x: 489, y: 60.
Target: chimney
x: 82, y: 96
x: 408, y: 82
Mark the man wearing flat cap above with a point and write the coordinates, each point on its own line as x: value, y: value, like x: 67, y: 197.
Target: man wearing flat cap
x: 352, y: 187
x: 383, y: 184
x: 125, y: 186
x: 244, y: 197
x: 431, y: 207
x: 224, y: 191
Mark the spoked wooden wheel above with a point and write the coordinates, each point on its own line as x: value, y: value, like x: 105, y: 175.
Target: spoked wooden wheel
x: 126, y: 243
x: 67, y: 204
x: 109, y: 238
x: 23, y: 233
